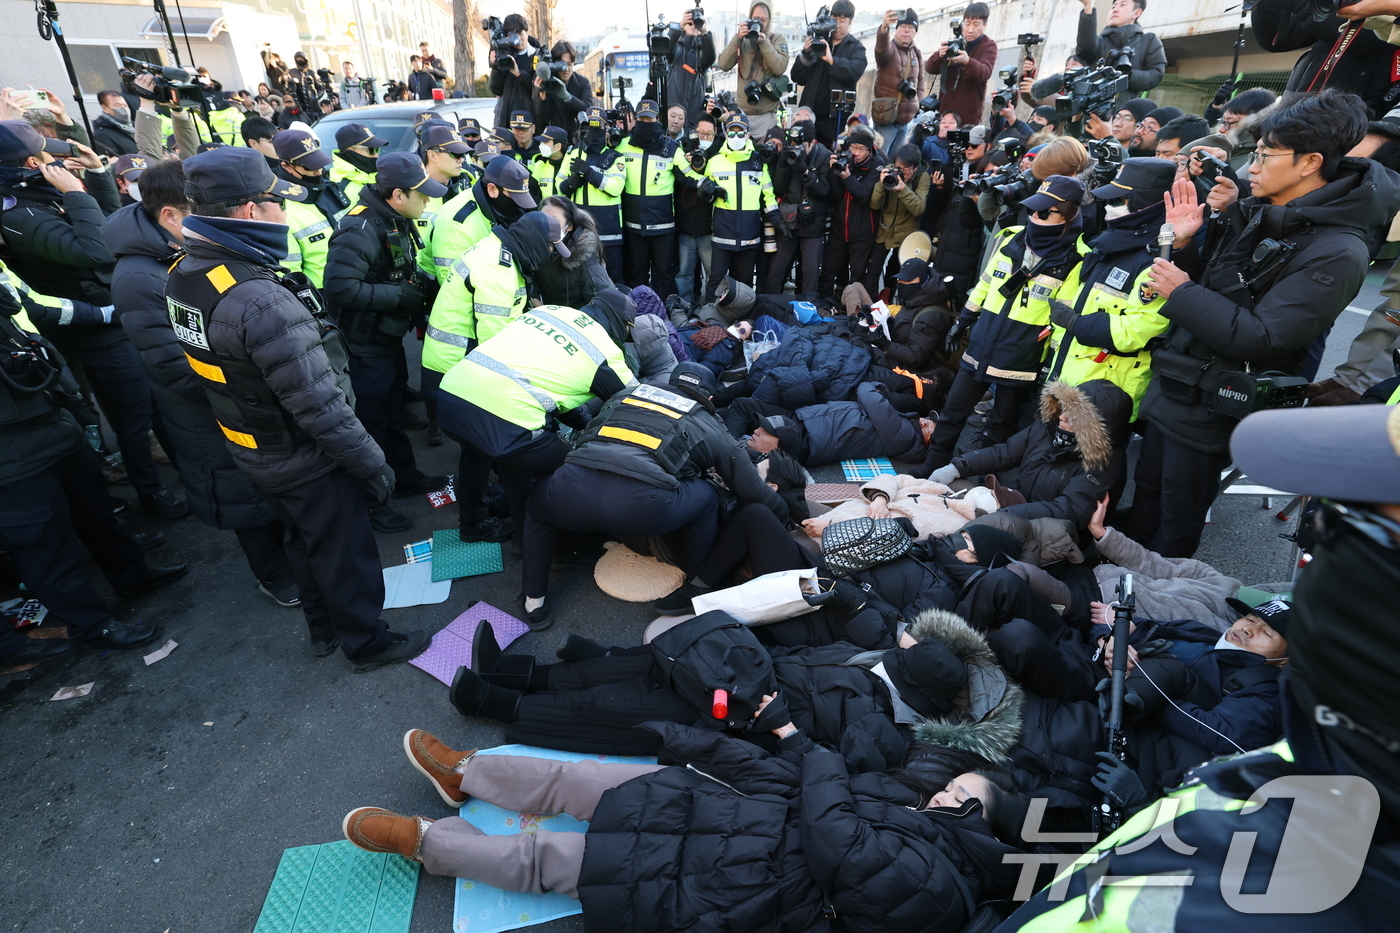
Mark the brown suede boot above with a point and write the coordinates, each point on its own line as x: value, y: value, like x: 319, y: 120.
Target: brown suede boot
x: 376, y: 830
x: 437, y: 763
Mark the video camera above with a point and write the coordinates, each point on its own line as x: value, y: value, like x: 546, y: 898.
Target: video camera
x: 1005, y: 95
x: 1089, y: 92
x: 662, y: 36
x: 173, y: 85
x: 504, y: 44
x: 1109, y: 155
x: 821, y: 29
x: 924, y: 126
x: 957, y: 43
x: 393, y: 90
x: 957, y: 143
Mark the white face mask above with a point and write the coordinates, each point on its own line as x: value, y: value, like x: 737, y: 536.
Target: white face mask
x: 736, y: 142
x: 546, y: 150
x: 1222, y: 643
x: 1114, y: 211
x: 134, y: 190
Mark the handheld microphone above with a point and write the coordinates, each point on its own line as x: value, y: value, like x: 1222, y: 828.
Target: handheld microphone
x: 1165, y: 238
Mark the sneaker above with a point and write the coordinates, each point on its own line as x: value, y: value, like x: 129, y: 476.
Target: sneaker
x: 435, y: 436
x: 538, y: 620
x: 421, y: 485
x: 283, y: 594
x: 401, y: 647
x: 164, y: 504
x: 386, y: 521
x: 151, y: 578
x: 488, y: 529
x: 324, y: 644
x: 438, y: 763
x: 678, y: 603
x: 376, y: 830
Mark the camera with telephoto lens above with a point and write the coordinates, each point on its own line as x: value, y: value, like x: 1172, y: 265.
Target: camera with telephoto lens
x: 755, y: 27
x: 957, y: 43
x: 1089, y: 92
x: 172, y: 84
x: 697, y: 17
x: 792, y: 155
x: 767, y: 151
x: 842, y: 162
x: 821, y: 29
x: 890, y: 176
x: 1005, y: 96
x: 773, y: 88
x: 924, y: 126
x: 907, y: 89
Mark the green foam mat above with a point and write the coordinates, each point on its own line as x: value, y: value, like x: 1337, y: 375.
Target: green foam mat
x: 453, y: 558
x: 338, y: 888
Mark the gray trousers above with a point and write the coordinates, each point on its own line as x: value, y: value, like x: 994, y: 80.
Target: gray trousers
x: 1368, y: 359
x: 530, y: 862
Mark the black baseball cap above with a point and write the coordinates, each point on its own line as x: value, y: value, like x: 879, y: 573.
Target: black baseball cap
x: 469, y: 126
x: 782, y: 427
x: 233, y: 174
x: 405, y: 170
x: 19, y: 141
x: 1057, y: 190
x: 300, y: 148
x: 1139, y: 172
x: 130, y: 167
x: 511, y: 177
x: 522, y: 120
x: 357, y: 134
x: 648, y: 108
x: 556, y: 135
x: 548, y: 226
x: 1350, y: 452
x: 595, y: 116
x: 443, y: 137
x: 1273, y: 611
x: 912, y: 270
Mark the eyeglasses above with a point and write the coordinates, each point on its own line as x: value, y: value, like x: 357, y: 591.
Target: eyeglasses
x: 1229, y: 123
x: 1378, y: 529
x: 1259, y: 157
x: 455, y: 155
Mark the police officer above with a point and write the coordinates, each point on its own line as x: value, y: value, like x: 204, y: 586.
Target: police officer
x: 652, y: 162
x: 505, y: 400
x: 444, y: 156
x: 738, y: 180
x: 469, y: 128
x: 374, y: 293
x: 500, y: 196
x: 277, y: 384
x: 545, y: 166
x: 597, y: 176
x: 311, y: 222
x: 1104, y: 315
x: 51, y: 223
x: 353, y: 164
x: 641, y: 471
x: 523, y: 145
x: 52, y: 496
x: 1008, y: 314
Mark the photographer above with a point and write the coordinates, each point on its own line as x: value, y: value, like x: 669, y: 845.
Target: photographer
x: 969, y: 67
x: 1149, y: 60
x: 850, y: 245
x: 1340, y: 53
x: 354, y: 90
x: 421, y: 81
x: 695, y: 214
x: 738, y: 180
x: 829, y: 64
x: 760, y: 56
x: 899, y: 79
x: 692, y: 54
x: 899, y: 201
x: 960, y: 231
x: 1270, y: 281
x: 513, y: 75
x: 801, y: 183
x: 1037, y: 92
x: 560, y: 98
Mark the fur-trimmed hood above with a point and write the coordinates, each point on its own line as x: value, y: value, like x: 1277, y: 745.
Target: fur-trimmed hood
x: 1100, y: 413
x: 1247, y: 124
x: 992, y: 733
x: 584, y: 248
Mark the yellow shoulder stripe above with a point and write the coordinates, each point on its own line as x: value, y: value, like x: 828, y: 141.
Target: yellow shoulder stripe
x: 221, y: 278
x: 623, y: 434
x: 212, y: 373
x: 357, y: 209
x: 650, y: 406
x: 238, y: 437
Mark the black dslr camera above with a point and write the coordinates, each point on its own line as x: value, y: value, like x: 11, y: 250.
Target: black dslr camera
x: 755, y: 27
x: 957, y: 43
x: 907, y: 89
x: 697, y: 17
x: 173, y: 85
x: 1004, y: 96
x: 821, y: 29
x: 890, y: 176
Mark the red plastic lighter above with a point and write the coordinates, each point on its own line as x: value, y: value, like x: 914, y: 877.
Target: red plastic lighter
x: 720, y: 705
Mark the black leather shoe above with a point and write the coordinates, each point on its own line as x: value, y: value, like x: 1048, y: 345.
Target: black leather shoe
x: 39, y: 650
x: 121, y: 635
x: 402, y: 647
x: 153, y: 578
x: 164, y: 504
x: 323, y: 645
x: 146, y: 540
x: 435, y: 436
x: 488, y: 529
x: 419, y: 486
x: 538, y: 620
x: 386, y: 521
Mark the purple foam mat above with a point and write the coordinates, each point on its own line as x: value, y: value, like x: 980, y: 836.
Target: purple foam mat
x: 452, y: 647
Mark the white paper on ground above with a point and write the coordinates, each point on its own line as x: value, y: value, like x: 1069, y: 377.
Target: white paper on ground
x: 161, y: 652
x: 68, y: 693
x: 412, y: 585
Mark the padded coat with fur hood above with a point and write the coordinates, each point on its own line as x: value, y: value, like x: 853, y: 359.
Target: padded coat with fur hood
x: 573, y: 282
x: 1069, y: 484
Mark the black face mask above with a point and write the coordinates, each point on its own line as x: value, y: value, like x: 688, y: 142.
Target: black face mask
x: 1062, y: 441
x: 362, y: 162
x: 905, y: 291
x: 596, y: 138
x: 507, y: 211
x: 646, y: 134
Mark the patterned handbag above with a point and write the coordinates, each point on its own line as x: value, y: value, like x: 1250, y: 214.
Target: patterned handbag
x: 854, y: 545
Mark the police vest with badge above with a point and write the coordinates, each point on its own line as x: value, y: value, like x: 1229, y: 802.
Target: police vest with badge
x: 596, y: 176
x: 1027, y: 267
x: 741, y: 174
x: 544, y: 168
x: 651, y: 161
x: 466, y: 219
x: 310, y: 222
x: 353, y: 170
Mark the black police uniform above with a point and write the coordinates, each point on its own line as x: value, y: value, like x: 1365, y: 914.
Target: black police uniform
x: 53, y: 496
x: 372, y: 294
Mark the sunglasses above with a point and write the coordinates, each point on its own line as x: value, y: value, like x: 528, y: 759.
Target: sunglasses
x: 268, y: 200
x: 1334, y: 517
x: 1046, y: 214
x: 455, y: 155
x: 737, y: 134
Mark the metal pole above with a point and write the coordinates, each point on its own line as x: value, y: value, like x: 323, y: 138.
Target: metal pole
x: 49, y: 28
x: 186, y: 30
x: 169, y: 33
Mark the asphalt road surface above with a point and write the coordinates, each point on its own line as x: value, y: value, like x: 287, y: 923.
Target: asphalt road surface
x: 163, y: 800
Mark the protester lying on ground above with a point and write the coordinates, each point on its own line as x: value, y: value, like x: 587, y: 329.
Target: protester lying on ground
x: 870, y: 426
x: 932, y: 507
x: 785, y: 840
x: 811, y: 365
x: 715, y: 347
x: 1067, y: 459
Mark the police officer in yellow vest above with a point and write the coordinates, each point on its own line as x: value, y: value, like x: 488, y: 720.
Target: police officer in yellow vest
x: 653, y: 163
x: 1105, y: 315
x: 737, y: 179
x: 596, y: 178
x: 1008, y: 314
x: 444, y: 154
x: 276, y: 378
x: 505, y: 400
x: 500, y: 196
x: 545, y: 165
x: 310, y: 223
x: 226, y: 121
x: 353, y: 165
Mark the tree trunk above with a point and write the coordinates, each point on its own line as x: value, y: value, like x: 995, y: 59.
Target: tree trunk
x: 464, y: 27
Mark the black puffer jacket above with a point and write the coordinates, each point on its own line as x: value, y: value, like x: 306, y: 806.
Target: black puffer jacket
x: 961, y: 236
x: 739, y: 840
x: 841, y: 705
x: 1149, y: 58
x: 264, y: 323
x: 691, y: 58
x: 573, y: 282
x: 1364, y: 69
x: 1069, y: 484
x: 917, y: 331
x: 111, y: 138
x: 818, y: 79
x: 808, y: 368
x: 218, y: 492
x: 370, y: 290
x: 852, y: 217
x: 868, y: 427
x: 554, y: 110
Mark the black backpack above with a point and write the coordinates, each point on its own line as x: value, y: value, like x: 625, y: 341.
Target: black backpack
x: 715, y: 651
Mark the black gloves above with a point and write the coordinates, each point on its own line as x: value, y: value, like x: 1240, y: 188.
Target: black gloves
x: 1222, y: 95
x: 1063, y: 315
x: 954, y: 336
x: 1118, y: 782
x: 780, y: 228
x: 707, y: 188
x: 721, y: 194
x: 568, y: 186
x: 381, y: 483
